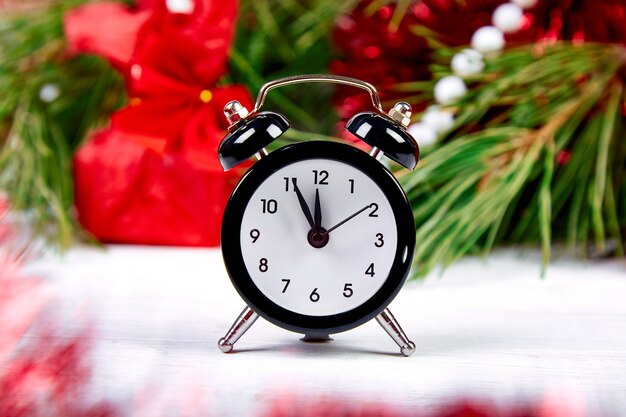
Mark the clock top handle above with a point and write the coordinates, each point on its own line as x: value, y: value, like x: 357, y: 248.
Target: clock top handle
x: 317, y: 78
x: 251, y: 131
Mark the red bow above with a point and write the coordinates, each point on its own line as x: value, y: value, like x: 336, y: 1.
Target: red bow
x: 153, y: 176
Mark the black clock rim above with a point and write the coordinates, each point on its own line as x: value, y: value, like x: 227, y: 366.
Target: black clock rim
x: 233, y: 257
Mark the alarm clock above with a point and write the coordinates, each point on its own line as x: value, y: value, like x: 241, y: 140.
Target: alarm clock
x: 318, y: 236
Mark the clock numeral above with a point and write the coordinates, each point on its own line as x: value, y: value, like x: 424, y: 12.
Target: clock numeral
x: 380, y: 242
x: 315, y: 297
x: 320, y: 177
x: 347, y: 290
x: 374, y: 210
x: 286, y: 281
x: 289, y: 180
x: 263, y: 265
x: 351, y: 185
x: 269, y: 206
x: 254, y: 234
x: 370, y: 270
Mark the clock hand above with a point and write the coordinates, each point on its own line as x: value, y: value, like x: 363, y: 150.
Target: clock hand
x: 349, y: 218
x: 303, y: 205
x: 318, y: 210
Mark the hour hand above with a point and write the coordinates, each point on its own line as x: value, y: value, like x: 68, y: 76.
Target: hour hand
x: 303, y: 205
x: 317, y: 214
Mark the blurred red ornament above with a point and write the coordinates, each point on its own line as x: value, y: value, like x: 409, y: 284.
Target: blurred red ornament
x: 40, y: 374
x: 295, y: 406
x: 305, y: 406
x: 373, y: 52
x: 153, y: 176
x: 563, y: 157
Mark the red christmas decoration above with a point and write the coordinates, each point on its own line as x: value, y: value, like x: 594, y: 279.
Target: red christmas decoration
x: 549, y: 406
x: 116, y: 26
x: 371, y: 51
x: 41, y: 375
x: 153, y: 177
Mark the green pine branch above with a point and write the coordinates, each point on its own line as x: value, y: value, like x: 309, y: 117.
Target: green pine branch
x: 494, y: 179
x: 38, y: 138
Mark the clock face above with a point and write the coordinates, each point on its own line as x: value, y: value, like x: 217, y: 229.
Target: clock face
x: 297, y: 274
x: 318, y: 236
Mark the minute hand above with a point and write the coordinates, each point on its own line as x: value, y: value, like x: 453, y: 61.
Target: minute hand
x: 349, y: 218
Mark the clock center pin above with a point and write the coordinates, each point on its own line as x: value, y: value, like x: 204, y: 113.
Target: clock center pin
x: 318, y: 238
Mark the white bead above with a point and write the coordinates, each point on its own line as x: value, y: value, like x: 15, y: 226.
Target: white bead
x: 49, y: 92
x: 525, y: 4
x: 180, y: 6
x: 488, y: 39
x: 449, y: 89
x: 440, y: 120
x: 508, y: 17
x: 423, y: 134
x: 467, y: 62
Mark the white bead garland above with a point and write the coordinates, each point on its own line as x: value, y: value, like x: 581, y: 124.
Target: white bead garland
x: 440, y: 120
x: 423, y: 134
x: 488, y: 39
x: 508, y: 17
x: 49, y: 92
x: 180, y: 6
x: 449, y: 89
x: 467, y: 62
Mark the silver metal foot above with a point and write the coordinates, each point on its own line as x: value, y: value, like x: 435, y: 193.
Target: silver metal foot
x: 392, y: 327
x: 239, y: 327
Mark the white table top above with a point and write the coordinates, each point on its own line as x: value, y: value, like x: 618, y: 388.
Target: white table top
x: 485, y: 329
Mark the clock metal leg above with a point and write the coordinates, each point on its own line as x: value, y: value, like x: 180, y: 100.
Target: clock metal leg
x: 392, y: 327
x: 239, y: 327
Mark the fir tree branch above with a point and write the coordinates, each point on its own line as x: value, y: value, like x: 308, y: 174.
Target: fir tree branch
x: 37, y: 137
x: 501, y: 184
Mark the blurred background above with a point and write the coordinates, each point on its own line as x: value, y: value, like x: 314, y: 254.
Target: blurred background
x: 111, y: 114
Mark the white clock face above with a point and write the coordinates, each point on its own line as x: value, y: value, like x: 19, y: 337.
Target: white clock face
x: 349, y: 268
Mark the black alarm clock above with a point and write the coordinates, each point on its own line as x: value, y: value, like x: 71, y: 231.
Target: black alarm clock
x: 318, y: 237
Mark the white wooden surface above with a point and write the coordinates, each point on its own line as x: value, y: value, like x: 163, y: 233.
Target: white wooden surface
x: 485, y: 329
